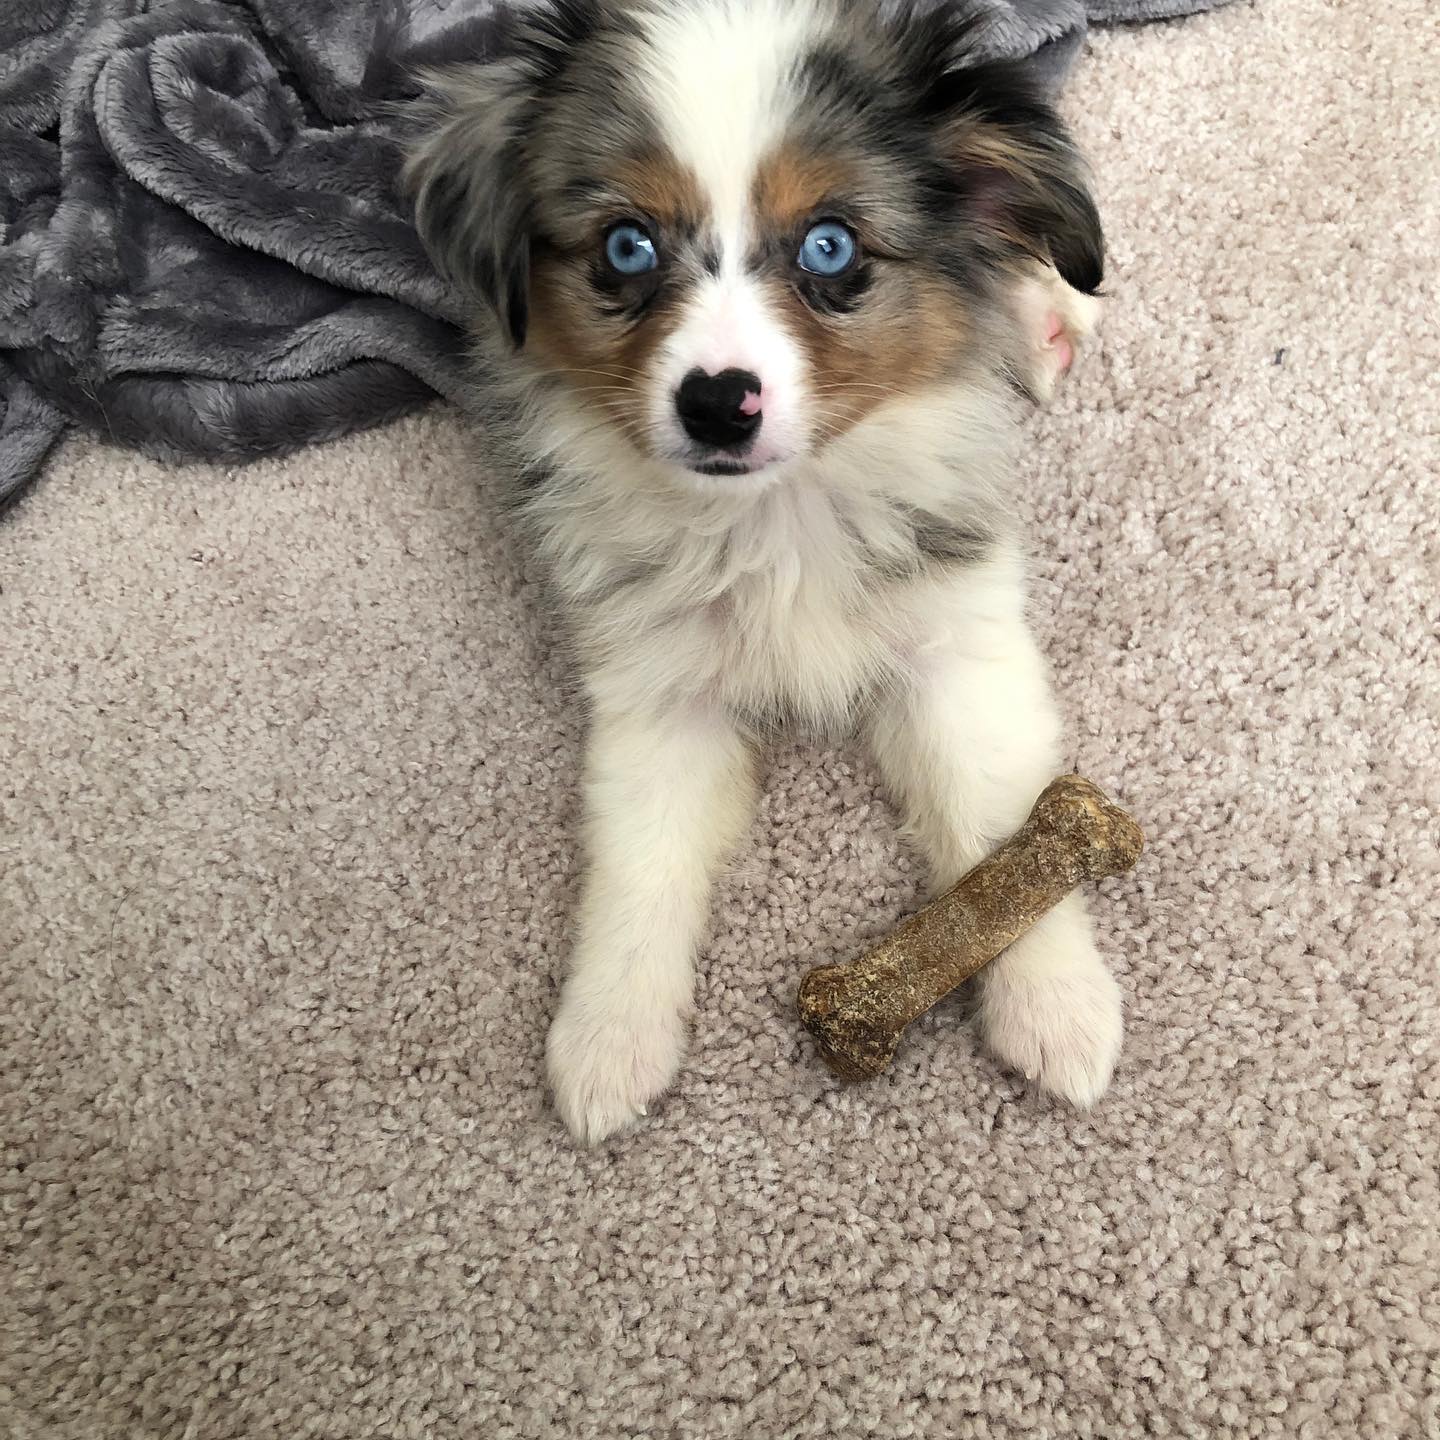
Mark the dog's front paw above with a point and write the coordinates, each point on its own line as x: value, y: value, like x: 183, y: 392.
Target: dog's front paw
x: 609, y: 1055
x: 1055, y: 320
x: 1057, y: 1022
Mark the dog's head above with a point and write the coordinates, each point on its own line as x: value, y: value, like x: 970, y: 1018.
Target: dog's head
x: 732, y: 229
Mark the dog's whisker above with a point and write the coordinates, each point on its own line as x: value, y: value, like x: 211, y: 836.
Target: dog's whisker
x: 623, y: 375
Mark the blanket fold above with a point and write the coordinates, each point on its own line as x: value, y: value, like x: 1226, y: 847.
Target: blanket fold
x: 202, y: 250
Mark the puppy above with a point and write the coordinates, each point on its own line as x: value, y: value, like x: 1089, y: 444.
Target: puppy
x: 758, y: 283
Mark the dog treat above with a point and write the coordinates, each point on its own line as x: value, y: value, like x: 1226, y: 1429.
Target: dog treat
x: 858, y: 1011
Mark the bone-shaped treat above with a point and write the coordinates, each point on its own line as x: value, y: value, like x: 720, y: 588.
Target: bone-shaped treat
x: 858, y: 1011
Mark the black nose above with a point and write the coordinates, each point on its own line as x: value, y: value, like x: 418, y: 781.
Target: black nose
x: 714, y: 411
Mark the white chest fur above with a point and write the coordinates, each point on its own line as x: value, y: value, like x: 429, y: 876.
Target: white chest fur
x: 789, y: 599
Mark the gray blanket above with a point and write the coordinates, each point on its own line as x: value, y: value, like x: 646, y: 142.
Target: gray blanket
x: 202, y: 251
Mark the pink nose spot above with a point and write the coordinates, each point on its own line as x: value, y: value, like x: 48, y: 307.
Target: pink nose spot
x: 750, y: 405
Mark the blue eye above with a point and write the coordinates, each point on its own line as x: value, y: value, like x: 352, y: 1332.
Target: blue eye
x: 829, y: 248
x: 630, y: 250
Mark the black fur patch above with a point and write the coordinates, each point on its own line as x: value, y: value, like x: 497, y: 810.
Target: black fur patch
x: 837, y: 296
x: 936, y: 541
x: 629, y: 296
x: 946, y: 542
x: 1038, y: 194
x: 618, y: 578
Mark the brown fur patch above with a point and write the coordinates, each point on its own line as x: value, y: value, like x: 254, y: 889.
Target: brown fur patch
x: 603, y: 359
x: 661, y: 188
x: 905, y: 336
x: 984, y: 147
x: 977, y: 144
x: 791, y: 182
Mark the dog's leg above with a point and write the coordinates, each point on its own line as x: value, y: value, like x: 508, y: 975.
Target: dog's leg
x: 665, y: 799
x: 966, y: 749
x: 1054, y: 321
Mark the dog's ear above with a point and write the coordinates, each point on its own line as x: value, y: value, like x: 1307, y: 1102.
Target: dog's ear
x: 1010, y: 157
x: 466, y: 179
x: 1022, y: 177
x: 466, y: 174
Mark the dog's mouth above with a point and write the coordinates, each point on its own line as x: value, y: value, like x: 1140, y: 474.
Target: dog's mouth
x: 711, y: 462
x: 731, y: 473
x: 725, y: 467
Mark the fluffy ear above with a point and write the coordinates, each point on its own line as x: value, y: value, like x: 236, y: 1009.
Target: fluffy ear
x: 473, y: 205
x: 1017, y: 169
x: 472, y: 208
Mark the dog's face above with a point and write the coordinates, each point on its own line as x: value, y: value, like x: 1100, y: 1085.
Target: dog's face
x: 732, y: 229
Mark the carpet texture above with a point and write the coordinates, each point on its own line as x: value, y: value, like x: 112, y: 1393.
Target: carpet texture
x: 287, y: 783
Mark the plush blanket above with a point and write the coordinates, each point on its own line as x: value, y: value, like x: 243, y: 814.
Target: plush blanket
x: 202, y: 251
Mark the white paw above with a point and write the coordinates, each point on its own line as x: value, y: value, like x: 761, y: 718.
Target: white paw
x: 609, y: 1055
x: 1054, y: 319
x: 1060, y: 1026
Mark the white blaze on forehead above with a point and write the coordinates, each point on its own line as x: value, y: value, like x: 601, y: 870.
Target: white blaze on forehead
x: 717, y: 76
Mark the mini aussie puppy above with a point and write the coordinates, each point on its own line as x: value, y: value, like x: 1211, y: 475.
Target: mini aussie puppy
x: 762, y: 281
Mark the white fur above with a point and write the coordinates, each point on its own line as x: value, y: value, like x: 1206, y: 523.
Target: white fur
x: 966, y: 750
x: 758, y: 603
x: 1039, y: 298
x: 716, y: 76
x: 760, y: 598
x: 666, y: 795
x: 728, y: 326
x: 701, y: 604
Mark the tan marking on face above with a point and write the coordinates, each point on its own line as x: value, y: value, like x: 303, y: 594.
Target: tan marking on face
x: 907, y: 333
x: 791, y: 182
x: 660, y: 188
x: 605, y: 361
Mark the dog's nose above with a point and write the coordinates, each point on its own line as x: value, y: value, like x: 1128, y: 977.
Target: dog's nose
x: 721, y: 410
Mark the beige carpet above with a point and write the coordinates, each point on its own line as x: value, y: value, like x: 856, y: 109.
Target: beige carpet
x: 287, y: 780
